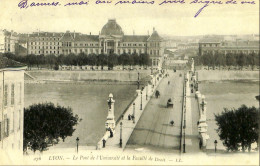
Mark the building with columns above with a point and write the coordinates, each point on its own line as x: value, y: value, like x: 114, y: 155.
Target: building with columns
x: 110, y: 40
x: 11, y: 105
x: 224, y: 47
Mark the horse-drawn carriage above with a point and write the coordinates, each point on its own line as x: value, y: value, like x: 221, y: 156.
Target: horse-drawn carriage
x: 169, y: 103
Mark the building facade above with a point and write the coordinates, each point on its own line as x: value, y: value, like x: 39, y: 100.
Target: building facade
x: 8, y: 41
x: 225, y: 47
x: 11, y: 105
x: 110, y: 40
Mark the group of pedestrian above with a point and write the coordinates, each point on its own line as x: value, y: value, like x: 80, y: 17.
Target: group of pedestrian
x: 130, y: 117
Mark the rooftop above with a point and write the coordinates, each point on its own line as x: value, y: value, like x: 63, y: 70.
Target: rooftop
x: 155, y: 36
x: 135, y: 38
x: 112, y: 28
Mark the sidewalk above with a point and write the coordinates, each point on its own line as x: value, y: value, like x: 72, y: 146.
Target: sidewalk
x: 128, y: 125
x: 192, y: 117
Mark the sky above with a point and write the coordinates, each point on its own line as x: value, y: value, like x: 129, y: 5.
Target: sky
x: 169, y: 19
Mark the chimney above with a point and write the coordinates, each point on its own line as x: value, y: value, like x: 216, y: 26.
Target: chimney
x: 133, y: 32
x: 153, y: 29
x: 45, y: 33
x: 148, y: 33
x: 89, y: 33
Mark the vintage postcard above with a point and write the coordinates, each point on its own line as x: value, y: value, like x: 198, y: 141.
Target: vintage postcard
x: 129, y: 82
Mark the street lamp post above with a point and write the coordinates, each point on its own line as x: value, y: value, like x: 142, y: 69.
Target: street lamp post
x: 141, y: 105
x: 215, y: 142
x: 120, y: 143
x: 147, y: 92
x: 134, y: 113
x: 138, y: 82
x: 152, y: 68
x: 77, y: 140
x: 184, y: 150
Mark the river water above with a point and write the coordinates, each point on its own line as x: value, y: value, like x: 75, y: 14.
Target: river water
x: 226, y: 94
x: 89, y: 101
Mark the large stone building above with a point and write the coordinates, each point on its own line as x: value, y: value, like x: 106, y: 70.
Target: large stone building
x: 8, y: 41
x: 209, y: 45
x: 11, y: 105
x: 110, y: 40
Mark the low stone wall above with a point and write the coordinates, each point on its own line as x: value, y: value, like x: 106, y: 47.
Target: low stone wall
x: 214, y: 75
x: 124, y: 76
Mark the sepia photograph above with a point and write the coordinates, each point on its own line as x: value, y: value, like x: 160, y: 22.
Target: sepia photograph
x: 129, y: 82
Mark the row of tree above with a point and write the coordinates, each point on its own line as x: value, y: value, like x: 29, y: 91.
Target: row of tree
x: 52, y: 61
x: 230, y: 59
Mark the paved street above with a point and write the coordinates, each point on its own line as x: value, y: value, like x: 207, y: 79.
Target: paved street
x: 153, y: 128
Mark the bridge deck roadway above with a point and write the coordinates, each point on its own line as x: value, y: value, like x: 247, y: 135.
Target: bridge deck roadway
x: 153, y: 128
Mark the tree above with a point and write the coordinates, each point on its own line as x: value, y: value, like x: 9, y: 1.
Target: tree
x: 220, y: 60
x: 102, y: 60
x: 112, y: 60
x: 230, y: 59
x: 241, y: 60
x: 238, y: 127
x: 45, y: 124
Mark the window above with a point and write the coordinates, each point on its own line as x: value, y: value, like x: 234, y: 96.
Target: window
x: 6, y: 126
x: 5, y: 95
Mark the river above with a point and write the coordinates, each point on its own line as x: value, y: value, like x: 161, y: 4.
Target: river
x: 226, y: 94
x: 89, y: 101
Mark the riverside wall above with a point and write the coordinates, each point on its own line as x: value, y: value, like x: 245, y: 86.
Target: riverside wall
x: 215, y: 75
x: 120, y: 76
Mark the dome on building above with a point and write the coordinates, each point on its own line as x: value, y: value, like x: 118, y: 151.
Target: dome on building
x: 112, y: 28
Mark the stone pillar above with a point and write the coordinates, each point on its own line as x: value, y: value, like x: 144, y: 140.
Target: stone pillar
x: 105, y: 46
x: 115, y: 47
x: 110, y: 123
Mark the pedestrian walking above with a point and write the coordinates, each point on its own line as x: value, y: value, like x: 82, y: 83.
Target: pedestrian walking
x: 129, y: 117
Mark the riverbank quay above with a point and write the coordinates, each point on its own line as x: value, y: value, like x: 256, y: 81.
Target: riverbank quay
x: 154, y: 132
x: 126, y: 124
x: 219, y: 75
x: 95, y: 76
